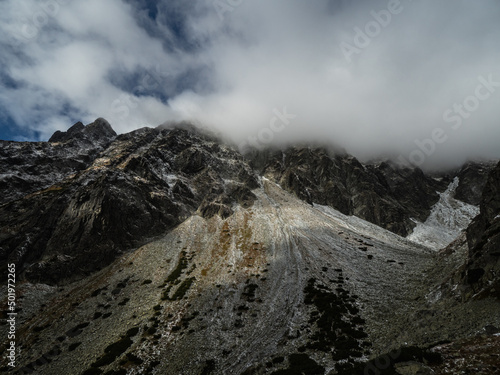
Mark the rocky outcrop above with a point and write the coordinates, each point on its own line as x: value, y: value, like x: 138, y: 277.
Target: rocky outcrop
x: 472, y: 177
x: 482, y: 271
x: 142, y: 185
x: 26, y: 167
x: 383, y: 193
x: 99, y: 131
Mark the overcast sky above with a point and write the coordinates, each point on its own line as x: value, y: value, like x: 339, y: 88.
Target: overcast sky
x: 418, y: 80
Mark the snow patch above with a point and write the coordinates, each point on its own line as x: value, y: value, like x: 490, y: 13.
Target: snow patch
x: 447, y: 219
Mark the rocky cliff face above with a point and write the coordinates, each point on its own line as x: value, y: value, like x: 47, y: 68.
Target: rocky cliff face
x: 482, y: 271
x: 383, y: 194
x: 26, y: 167
x: 471, y: 263
x: 115, y: 198
x: 473, y: 177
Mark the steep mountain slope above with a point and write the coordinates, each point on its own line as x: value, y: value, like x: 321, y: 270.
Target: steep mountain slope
x: 166, y: 253
x: 475, y: 254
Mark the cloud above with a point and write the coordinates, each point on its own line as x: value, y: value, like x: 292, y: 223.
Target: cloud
x: 231, y: 65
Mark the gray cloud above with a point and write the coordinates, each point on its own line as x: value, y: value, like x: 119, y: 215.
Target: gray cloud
x: 232, y: 67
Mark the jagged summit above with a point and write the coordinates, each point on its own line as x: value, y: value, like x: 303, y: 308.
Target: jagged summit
x: 98, y: 131
x: 27, y: 167
x: 174, y: 170
x: 184, y: 125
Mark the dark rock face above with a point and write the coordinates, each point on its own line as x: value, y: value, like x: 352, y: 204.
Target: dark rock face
x: 482, y: 271
x: 26, y: 167
x: 60, y: 136
x: 98, y: 131
x: 383, y: 194
x: 144, y: 183
x: 472, y: 177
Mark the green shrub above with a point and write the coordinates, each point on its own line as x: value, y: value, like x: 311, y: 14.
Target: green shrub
x: 183, y: 288
x: 134, y: 359
x: 113, y: 351
x: 181, y: 265
x: 124, y: 302
x: 301, y: 364
x: 132, y: 332
x: 74, y: 346
x: 209, y: 367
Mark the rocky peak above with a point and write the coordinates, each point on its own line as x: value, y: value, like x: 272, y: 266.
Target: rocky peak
x: 98, y: 131
x: 76, y: 128
x: 26, y: 167
x: 60, y: 136
x: 110, y: 193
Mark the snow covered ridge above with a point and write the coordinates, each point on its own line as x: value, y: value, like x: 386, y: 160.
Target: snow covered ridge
x: 448, y: 218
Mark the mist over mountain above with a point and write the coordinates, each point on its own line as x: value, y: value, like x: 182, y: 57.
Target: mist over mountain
x: 415, y: 80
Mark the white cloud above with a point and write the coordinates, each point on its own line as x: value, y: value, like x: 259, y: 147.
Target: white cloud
x: 263, y: 55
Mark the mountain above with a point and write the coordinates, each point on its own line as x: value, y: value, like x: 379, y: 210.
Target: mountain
x: 143, y: 184
x: 27, y: 167
x: 167, y: 251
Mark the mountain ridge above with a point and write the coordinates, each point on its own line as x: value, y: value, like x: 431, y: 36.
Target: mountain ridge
x: 165, y: 250
x: 186, y: 166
